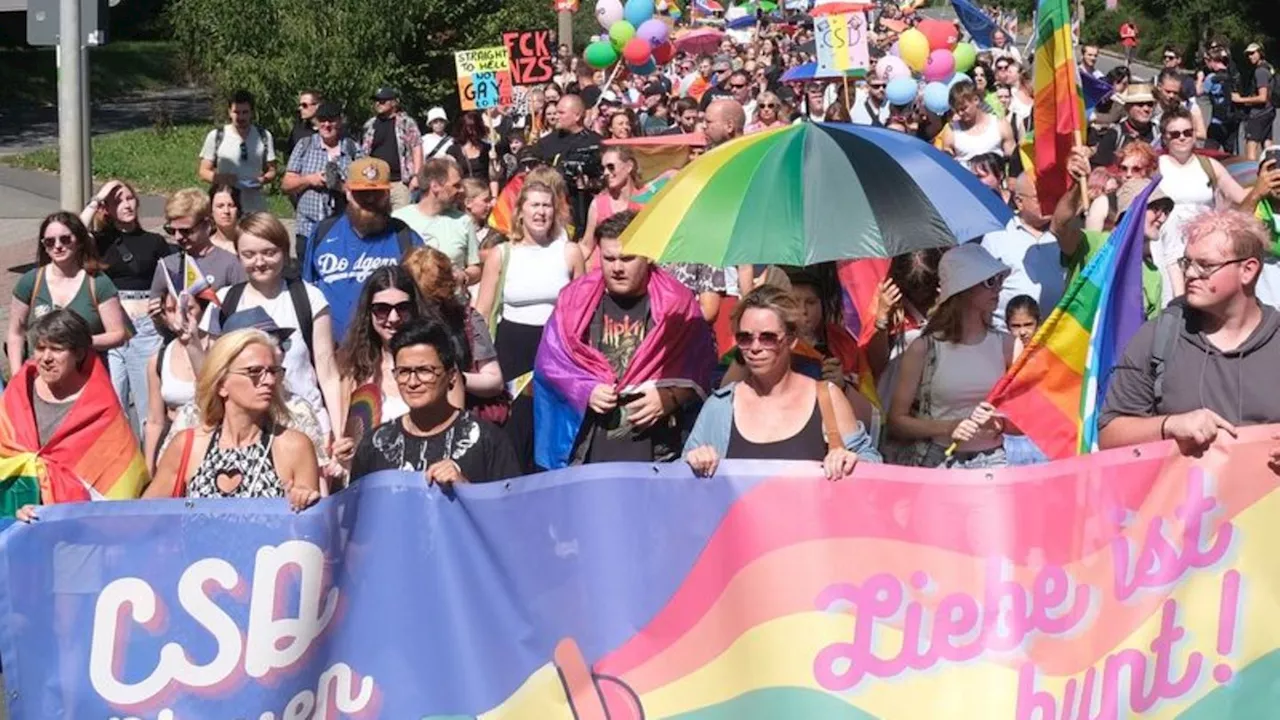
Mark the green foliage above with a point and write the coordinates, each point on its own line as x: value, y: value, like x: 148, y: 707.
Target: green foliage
x: 344, y: 48
x: 31, y: 77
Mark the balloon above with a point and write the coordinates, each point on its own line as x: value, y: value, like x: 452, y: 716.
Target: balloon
x: 600, y: 55
x: 608, y: 12
x: 966, y: 57
x: 653, y: 30
x: 620, y: 32
x: 914, y: 47
x: 637, y: 51
x: 637, y: 11
x: 941, y: 34
x: 957, y: 79
x: 664, y: 52
x: 901, y: 91
x: 648, y: 68
x: 937, y: 98
x: 891, y: 68
x: 940, y: 66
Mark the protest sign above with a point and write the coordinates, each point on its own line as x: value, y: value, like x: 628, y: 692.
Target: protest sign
x: 841, y: 42
x: 1131, y: 582
x: 484, y: 77
x: 532, y: 53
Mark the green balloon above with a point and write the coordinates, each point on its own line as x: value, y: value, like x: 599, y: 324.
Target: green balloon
x: 620, y: 32
x: 966, y: 57
x: 600, y: 55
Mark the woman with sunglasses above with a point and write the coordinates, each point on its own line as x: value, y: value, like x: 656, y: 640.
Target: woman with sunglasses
x: 243, y: 448
x: 1135, y: 161
x: 769, y: 113
x: 68, y: 274
x: 131, y: 255
x: 1194, y: 183
x: 388, y: 300
x: 776, y: 413
x: 225, y: 210
x: 171, y: 376
x: 945, y: 375
x: 621, y: 181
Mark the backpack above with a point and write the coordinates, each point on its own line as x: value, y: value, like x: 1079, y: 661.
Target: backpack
x: 1168, y: 330
x: 301, y: 307
x: 1273, y: 87
x: 221, y: 132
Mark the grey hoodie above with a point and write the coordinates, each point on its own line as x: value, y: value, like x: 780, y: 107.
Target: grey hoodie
x: 1239, y: 385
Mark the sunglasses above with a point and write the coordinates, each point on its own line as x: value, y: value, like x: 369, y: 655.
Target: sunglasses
x: 768, y: 340
x: 181, y: 232
x: 1170, y: 57
x: 876, y: 86
x: 1143, y: 104
x: 1133, y: 169
x: 768, y: 106
x: 258, y: 373
x: 381, y: 311
x: 1180, y: 134
x: 737, y: 86
x: 53, y: 241
x: 303, y: 106
x: 994, y: 281
x: 244, y: 151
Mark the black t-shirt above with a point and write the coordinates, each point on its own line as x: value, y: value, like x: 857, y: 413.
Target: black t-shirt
x: 480, y: 449
x: 385, y: 147
x: 560, y: 143
x: 132, y: 257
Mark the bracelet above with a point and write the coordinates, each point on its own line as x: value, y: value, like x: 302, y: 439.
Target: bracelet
x: 882, y: 325
x: 1162, y: 424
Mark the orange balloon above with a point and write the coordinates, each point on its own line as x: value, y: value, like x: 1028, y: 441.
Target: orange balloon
x: 942, y: 35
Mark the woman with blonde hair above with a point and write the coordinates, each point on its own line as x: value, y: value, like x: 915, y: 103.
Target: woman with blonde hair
x: 518, y: 290
x: 621, y: 181
x: 242, y: 449
x: 769, y: 113
x: 477, y: 203
x: 945, y: 375
x: 482, y: 377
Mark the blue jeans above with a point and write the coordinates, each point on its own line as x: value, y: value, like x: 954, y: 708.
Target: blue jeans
x: 128, y: 365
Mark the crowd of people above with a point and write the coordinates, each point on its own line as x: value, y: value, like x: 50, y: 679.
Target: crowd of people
x: 396, y: 328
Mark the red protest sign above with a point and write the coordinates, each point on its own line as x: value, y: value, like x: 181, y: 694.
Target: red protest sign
x: 531, y: 53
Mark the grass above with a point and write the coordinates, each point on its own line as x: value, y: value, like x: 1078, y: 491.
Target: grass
x: 30, y: 75
x: 152, y: 160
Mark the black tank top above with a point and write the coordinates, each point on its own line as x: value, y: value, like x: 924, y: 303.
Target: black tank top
x: 808, y: 444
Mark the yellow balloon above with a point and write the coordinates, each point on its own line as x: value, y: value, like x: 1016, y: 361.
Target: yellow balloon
x: 913, y: 46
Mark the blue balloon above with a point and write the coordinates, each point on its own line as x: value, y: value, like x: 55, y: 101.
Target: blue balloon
x: 637, y: 11
x: 648, y: 68
x: 937, y: 98
x: 901, y: 91
x: 958, y: 78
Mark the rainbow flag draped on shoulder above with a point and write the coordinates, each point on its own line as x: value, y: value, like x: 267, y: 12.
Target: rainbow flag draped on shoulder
x: 1055, y: 389
x: 677, y: 351
x: 92, y: 456
x: 1059, y: 107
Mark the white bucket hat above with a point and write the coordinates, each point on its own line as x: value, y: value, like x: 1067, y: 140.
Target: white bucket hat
x: 964, y: 266
x: 436, y: 113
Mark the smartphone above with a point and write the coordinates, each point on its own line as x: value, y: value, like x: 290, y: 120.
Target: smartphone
x: 1272, y: 155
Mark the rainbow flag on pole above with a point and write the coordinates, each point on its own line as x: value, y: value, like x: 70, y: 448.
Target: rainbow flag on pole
x: 1055, y: 389
x: 1059, y: 108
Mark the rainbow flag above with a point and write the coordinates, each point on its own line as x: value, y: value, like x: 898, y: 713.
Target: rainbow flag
x: 92, y: 456
x: 1055, y: 389
x: 1059, y: 107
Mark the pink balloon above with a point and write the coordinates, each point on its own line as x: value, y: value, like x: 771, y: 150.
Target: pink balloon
x: 941, y: 65
x: 891, y: 67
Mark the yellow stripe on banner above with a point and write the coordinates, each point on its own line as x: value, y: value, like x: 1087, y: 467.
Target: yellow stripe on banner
x: 654, y: 227
x: 541, y: 696
x: 782, y: 652
x: 1069, y: 342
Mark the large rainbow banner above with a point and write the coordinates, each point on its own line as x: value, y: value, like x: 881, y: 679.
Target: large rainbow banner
x: 1128, y: 583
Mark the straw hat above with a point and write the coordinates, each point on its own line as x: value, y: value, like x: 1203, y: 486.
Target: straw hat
x: 964, y: 266
x: 1139, y: 93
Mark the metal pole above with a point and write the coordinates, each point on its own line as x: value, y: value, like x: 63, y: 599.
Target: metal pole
x: 86, y: 134
x: 70, y: 113
x: 564, y: 28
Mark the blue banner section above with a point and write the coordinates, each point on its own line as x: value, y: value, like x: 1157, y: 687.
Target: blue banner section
x: 975, y: 22
x: 379, y: 602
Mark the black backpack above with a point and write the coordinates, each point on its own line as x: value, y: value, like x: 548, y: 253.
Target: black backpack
x: 1273, y: 87
x: 301, y: 307
x: 1168, y: 330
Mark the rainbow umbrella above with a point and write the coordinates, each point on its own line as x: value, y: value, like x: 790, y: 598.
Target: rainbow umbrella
x: 810, y: 71
x: 814, y: 192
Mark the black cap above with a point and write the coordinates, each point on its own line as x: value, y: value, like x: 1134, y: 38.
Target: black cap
x: 654, y: 88
x: 386, y: 93
x: 328, y: 111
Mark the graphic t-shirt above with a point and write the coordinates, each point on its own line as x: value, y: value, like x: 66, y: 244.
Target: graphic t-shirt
x: 482, y: 451
x: 342, y: 260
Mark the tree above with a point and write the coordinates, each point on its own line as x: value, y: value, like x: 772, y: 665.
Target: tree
x: 344, y: 48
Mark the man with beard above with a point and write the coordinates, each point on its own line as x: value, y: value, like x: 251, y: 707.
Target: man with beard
x: 685, y: 117
x: 343, y: 251
x: 1139, y: 105
x: 392, y: 136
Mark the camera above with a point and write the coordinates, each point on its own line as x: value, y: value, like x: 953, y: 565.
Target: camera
x: 582, y: 167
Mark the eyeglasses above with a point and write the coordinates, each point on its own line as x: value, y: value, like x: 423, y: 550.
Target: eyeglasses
x: 1133, y: 169
x: 1204, y: 270
x: 259, y: 373
x: 768, y: 340
x: 425, y: 374
x: 381, y: 311
x: 53, y: 241
x: 182, y: 232
x: 1180, y: 134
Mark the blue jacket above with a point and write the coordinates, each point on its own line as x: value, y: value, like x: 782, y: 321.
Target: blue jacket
x: 716, y: 419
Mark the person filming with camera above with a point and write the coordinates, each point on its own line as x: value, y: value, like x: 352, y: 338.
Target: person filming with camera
x: 317, y: 170
x: 569, y: 149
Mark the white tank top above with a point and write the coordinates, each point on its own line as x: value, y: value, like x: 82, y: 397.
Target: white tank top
x: 535, y: 276
x: 175, y: 391
x: 970, y: 145
x: 963, y: 378
x: 1185, y: 183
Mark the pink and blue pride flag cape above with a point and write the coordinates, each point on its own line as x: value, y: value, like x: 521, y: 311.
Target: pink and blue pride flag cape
x: 677, y: 351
